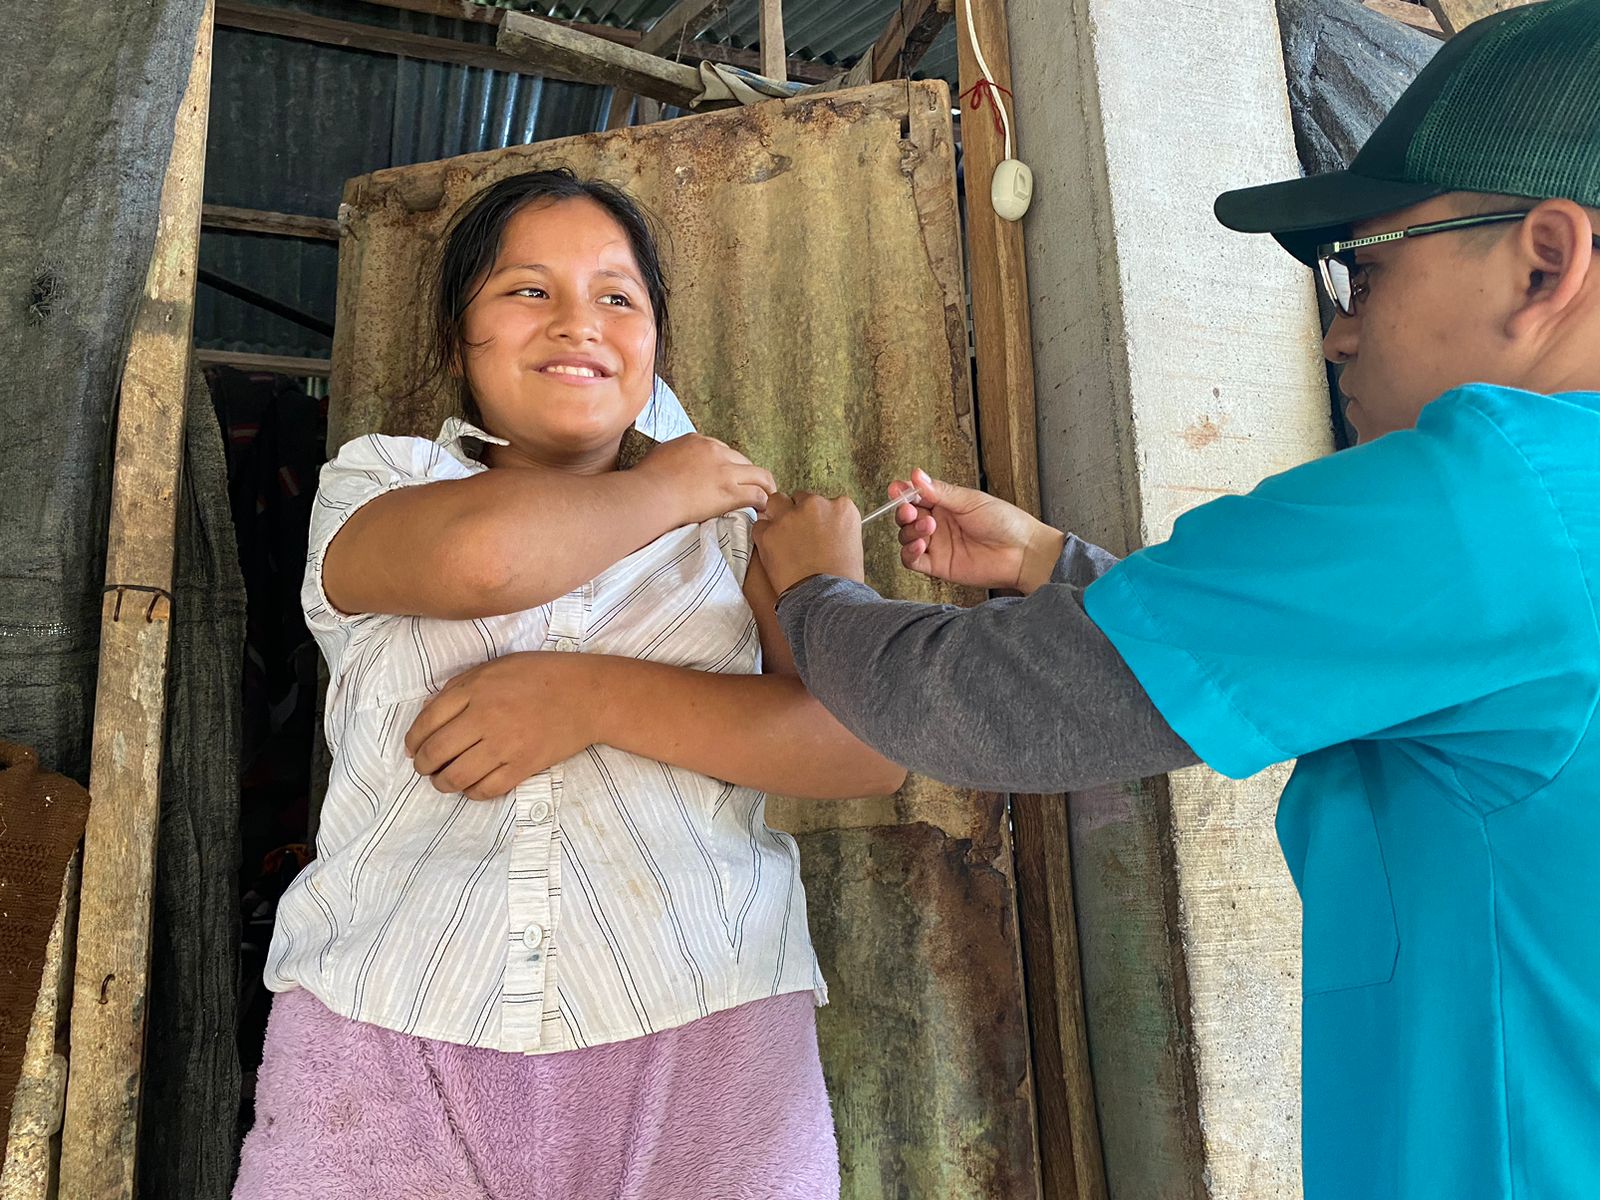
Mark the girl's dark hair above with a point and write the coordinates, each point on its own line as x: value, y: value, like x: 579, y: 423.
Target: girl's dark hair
x: 473, y: 243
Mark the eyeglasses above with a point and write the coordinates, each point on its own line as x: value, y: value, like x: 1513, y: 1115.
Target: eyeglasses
x: 1345, y: 280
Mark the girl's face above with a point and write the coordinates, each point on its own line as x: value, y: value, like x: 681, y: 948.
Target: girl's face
x: 560, y: 340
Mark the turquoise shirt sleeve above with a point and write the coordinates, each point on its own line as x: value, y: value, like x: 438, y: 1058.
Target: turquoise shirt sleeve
x: 1422, y: 586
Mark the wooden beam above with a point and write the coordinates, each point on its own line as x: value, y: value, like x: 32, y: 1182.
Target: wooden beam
x: 1414, y: 15
x: 678, y: 23
x: 773, y: 54
x: 255, y: 220
x: 278, y: 364
x: 1070, y: 1158
x: 899, y: 48
x: 905, y: 40
x: 1002, y: 333
x: 673, y: 26
x: 1069, y: 1134
x: 1456, y: 15
x: 354, y: 35
x: 684, y: 51
x: 555, y: 50
x: 111, y: 980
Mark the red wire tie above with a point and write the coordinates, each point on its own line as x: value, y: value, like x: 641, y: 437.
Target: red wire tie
x: 984, y: 88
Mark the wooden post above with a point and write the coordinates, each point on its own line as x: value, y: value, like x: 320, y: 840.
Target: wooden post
x: 100, y: 1135
x: 1456, y: 15
x: 774, y: 59
x: 1002, y: 331
x: 1071, y: 1163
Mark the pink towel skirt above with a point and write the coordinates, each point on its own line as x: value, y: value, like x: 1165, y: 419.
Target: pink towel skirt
x: 729, y: 1107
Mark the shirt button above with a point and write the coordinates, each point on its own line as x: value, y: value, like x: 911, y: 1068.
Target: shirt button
x: 567, y: 644
x: 540, y: 812
x: 532, y: 936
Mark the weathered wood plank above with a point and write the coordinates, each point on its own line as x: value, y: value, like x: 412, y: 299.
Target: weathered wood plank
x: 303, y: 368
x: 678, y: 23
x: 99, y: 1137
x: 1414, y: 15
x: 1456, y: 15
x: 554, y: 50
x: 30, y: 1167
x: 1002, y: 327
x: 256, y: 220
x: 1071, y: 1164
x: 773, y: 55
x: 1070, y: 1155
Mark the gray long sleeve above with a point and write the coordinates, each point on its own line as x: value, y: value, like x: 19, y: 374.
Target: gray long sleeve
x: 1020, y: 694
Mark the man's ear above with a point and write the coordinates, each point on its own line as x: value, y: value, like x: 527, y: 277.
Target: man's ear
x: 1554, y: 248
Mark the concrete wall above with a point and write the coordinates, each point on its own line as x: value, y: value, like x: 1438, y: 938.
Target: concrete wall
x: 1175, y: 362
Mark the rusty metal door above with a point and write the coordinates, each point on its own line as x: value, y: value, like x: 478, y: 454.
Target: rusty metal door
x: 819, y: 322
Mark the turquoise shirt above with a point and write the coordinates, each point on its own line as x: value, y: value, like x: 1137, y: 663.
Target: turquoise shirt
x: 1415, y: 621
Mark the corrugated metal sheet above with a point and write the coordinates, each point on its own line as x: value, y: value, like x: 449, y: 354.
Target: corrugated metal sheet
x: 831, y: 31
x: 291, y: 121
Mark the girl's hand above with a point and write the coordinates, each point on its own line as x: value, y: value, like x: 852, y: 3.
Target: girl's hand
x: 701, y: 478
x: 494, y: 726
x: 806, y: 535
x: 971, y: 537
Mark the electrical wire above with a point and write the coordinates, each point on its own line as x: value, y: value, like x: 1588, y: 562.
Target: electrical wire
x: 995, y: 90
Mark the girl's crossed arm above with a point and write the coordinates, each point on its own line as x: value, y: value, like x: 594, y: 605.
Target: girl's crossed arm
x: 498, y: 724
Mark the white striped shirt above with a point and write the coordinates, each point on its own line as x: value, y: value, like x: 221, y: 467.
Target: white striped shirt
x: 606, y: 898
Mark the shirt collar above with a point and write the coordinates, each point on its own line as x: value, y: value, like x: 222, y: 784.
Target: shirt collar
x: 456, y: 428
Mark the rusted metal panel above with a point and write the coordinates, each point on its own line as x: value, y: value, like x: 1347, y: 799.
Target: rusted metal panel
x: 819, y: 324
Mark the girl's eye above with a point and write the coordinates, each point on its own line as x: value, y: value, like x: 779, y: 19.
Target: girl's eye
x: 529, y: 291
x: 618, y: 300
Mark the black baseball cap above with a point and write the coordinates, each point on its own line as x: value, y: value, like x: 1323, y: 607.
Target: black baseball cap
x: 1510, y: 105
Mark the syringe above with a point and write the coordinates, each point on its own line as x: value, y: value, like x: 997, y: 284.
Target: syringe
x: 910, y: 497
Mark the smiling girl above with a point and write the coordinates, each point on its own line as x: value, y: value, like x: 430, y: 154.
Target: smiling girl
x: 549, y: 946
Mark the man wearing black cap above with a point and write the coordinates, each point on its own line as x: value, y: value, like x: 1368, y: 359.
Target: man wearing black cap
x: 1414, y: 619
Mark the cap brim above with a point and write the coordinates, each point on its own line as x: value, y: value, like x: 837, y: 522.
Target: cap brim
x: 1306, y: 213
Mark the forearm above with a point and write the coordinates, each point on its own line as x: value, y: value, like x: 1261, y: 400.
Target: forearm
x: 500, y: 542
x: 759, y: 731
x: 1020, y: 695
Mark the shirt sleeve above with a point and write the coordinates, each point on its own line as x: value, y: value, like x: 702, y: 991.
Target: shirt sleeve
x: 362, y: 471
x: 1016, y: 694
x: 734, y: 539
x: 1422, y: 586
